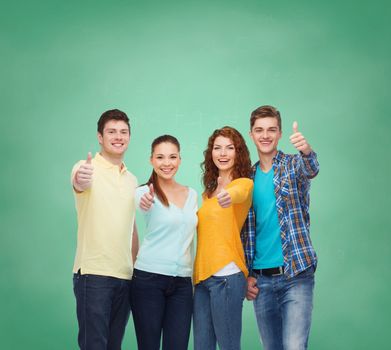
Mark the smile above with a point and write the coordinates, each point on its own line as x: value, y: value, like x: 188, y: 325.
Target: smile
x: 167, y: 170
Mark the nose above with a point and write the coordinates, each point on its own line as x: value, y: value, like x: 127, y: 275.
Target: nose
x: 264, y: 134
x: 118, y: 136
x: 223, y: 151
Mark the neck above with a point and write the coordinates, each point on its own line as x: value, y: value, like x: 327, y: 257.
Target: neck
x: 115, y: 160
x: 266, y: 160
x: 166, y: 183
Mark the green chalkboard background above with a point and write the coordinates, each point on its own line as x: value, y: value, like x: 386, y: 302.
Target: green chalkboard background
x: 187, y: 68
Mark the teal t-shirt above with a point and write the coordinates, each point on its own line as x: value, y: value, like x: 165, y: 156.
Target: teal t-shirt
x: 268, y: 248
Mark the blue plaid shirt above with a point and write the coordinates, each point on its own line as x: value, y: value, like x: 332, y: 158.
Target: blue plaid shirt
x: 292, y: 175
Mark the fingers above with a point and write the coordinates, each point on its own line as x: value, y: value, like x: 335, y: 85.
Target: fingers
x: 89, y: 158
x: 224, y: 199
x: 251, y: 295
x: 252, y: 289
x: 299, y: 141
x: 295, y: 127
x: 147, y: 199
x: 83, y: 177
x: 151, y: 190
x: 219, y: 184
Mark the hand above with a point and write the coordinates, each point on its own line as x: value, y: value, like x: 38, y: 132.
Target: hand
x: 299, y: 141
x: 223, y: 197
x: 83, y: 178
x: 252, y: 289
x: 147, y: 199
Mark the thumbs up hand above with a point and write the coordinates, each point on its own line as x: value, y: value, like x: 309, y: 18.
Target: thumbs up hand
x: 299, y: 141
x: 83, y: 177
x: 147, y: 199
x: 223, y: 197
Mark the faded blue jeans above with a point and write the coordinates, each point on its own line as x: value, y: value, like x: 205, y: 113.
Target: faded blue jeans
x: 283, y: 310
x: 217, y: 315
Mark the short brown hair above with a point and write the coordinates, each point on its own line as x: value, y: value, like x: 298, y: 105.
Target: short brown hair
x: 112, y: 114
x: 265, y: 112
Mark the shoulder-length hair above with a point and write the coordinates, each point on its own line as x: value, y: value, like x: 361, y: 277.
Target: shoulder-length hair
x: 242, y: 163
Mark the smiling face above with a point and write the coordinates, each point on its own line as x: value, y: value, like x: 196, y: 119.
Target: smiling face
x: 165, y: 160
x: 266, y: 133
x: 115, y: 139
x: 223, y: 154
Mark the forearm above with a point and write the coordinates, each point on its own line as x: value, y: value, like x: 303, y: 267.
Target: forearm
x: 135, y: 243
x: 241, y: 191
x: 309, y: 165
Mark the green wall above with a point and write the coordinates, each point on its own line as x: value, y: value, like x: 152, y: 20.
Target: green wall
x: 187, y: 68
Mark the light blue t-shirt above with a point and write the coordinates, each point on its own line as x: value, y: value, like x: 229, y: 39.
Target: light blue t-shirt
x: 167, y: 247
x: 268, y: 248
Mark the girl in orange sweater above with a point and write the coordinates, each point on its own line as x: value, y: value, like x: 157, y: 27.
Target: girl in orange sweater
x: 220, y: 270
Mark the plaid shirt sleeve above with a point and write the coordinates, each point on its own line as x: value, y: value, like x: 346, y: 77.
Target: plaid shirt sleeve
x: 247, y: 236
x: 292, y: 202
x: 306, y: 167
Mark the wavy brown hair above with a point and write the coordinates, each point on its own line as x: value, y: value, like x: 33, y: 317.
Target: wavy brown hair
x: 242, y: 163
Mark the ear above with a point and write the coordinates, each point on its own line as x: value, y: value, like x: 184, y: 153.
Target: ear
x: 100, y: 137
x: 251, y: 135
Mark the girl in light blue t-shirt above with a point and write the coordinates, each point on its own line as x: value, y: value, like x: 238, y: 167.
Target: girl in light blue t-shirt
x: 162, y: 292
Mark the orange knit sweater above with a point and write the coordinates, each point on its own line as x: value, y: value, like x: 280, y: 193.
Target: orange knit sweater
x: 218, y: 231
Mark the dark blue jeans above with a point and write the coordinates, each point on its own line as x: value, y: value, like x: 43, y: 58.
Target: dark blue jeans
x: 102, y: 311
x: 161, y: 303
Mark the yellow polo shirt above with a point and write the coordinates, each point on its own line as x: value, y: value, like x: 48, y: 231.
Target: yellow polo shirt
x: 218, y: 231
x: 105, y: 215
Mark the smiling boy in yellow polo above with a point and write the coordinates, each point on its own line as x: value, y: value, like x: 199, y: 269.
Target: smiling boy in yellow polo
x: 107, y: 243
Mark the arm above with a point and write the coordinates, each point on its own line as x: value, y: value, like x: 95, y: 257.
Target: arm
x: 241, y: 190
x: 135, y: 243
x: 307, y: 165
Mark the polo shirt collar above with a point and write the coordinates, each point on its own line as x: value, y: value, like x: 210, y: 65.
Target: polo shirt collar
x: 106, y: 164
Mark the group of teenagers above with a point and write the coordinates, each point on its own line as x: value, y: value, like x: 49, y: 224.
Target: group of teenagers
x: 252, y: 234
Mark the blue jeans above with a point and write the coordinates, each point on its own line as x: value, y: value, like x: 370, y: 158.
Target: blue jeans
x: 161, y: 303
x: 283, y: 310
x: 102, y: 306
x: 218, y: 303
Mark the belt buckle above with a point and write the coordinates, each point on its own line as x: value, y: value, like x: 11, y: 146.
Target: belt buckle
x: 280, y: 271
